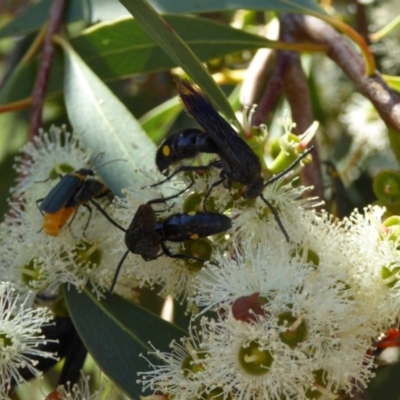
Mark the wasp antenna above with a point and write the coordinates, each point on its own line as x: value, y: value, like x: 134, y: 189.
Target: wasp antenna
x: 100, y: 208
x: 109, y: 162
x: 276, y: 216
x: 117, y: 271
x: 174, y: 196
x: 99, y: 155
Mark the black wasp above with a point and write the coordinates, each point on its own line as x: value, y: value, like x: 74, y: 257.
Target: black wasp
x: 237, y: 161
x: 146, y: 236
x: 64, y: 199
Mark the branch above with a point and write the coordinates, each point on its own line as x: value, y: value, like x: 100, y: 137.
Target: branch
x: 42, y: 78
x: 386, y: 101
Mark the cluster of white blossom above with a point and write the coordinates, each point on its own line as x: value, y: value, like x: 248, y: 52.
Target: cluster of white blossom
x: 291, y: 320
x: 22, y: 342
x: 279, y: 319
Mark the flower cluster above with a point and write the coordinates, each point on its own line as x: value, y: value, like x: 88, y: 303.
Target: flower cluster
x: 293, y: 320
x: 81, y: 391
x: 22, y: 343
x: 277, y: 317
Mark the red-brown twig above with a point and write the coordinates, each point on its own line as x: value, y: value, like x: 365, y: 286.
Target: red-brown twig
x: 42, y: 78
x: 385, y: 100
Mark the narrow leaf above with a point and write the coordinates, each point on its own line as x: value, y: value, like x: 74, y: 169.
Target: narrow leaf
x: 123, y: 48
x: 33, y: 18
x: 392, y: 81
x: 104, y: 124
x: 167, y: 38
x: 394, y: 139
x: 116, y: 332
x: 159, y: 120
x: 204, y: 6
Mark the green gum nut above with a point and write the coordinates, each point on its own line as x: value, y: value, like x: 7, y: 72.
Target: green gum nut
x: 87, y: 254
x: 393, y: 223
x: 390, y: 275
x: 254, y: 360
x: 201, y: 248
x: 275, y: 148
x: 311, y: 258
x: 193, y: 202
x: 216, y: 394
x: 289, y: 152
x: 5, y: 341
x: 190, y: 367
x: 292, y: 337
x: 344, y: 288
x: 31, y: 274
x: 61, y: 169
x: 386, y: 186
x: 320, y: 380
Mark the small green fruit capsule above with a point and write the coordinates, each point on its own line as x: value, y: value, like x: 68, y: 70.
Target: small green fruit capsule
x: 201, y: 248
x: 393, y: 223
x: 320, y: 380
x: 311, y: 256
x: 189, y: 366
x: 254, y: 360
x: 62, y: 169
x: 295, y: 333
x: 87, y: 254
x: 32, y: 275
x: 275, y: 148
x: 390, y: 275
x: 386, y: 186
x: 193, y: 202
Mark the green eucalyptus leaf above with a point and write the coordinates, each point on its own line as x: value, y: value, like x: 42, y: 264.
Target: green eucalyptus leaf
x: 168, y: 39
x: 392, y: 81
x: 116, y: 332
x: 385, y: 384
x: 122, y: 48
x: 204, y: 6
x: 34, y: 17
x: 104, y: 124
x: 159, y: 120
x: 394, y: 139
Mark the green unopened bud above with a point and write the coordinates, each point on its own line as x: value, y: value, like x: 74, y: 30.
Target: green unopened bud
x: 393, y: 223
x: 308, y: 255
x: 216, y: 394
x: 386, y: 186
x: 87, y: 254
x: 255, y: 361
x: 32, y: 276
x: 190, y: 366
x: 390, y: 275
x: 297, y: 331
x: 61, y: 169
x: 201, y: 248
x: 320, y: 382
x: 5, y: 341
x: 194, y: 202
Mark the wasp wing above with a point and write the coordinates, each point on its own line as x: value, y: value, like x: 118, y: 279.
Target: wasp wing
x: 237, y: 155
